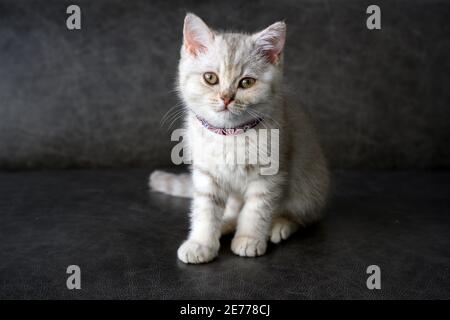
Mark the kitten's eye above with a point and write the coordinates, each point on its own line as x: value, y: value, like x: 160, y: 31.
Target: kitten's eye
x: 247, y: 83
x: 211, y: 78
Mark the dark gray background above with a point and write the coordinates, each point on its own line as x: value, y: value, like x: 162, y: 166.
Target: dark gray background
x: 95, y: 97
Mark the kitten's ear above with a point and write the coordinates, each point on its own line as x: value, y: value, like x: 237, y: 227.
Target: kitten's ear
x: 271, y: 41
x: 197, y: 35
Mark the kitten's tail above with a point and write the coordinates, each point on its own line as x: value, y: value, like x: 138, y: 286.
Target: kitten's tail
x: 178, y: 185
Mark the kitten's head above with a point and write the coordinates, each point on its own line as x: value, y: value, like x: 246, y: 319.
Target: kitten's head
x: 230, y: 78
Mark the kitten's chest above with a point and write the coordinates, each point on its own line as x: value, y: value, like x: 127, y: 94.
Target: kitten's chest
x: 228, y: 153
x: 225, y: 157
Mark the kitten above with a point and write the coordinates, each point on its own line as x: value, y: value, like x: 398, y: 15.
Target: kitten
x: 230, y: 83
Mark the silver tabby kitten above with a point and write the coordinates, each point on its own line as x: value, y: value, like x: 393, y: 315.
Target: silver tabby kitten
x: 229, y: 83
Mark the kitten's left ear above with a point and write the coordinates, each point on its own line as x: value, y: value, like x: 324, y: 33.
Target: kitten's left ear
x: 271, y: 41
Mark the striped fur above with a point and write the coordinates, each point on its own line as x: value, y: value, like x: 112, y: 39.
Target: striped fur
x: 178, y: 185
x: 228, y: 196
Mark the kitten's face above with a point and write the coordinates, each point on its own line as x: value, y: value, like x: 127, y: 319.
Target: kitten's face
x: 229, y: 79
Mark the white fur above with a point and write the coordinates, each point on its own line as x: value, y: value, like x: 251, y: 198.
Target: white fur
x: 228, y: 195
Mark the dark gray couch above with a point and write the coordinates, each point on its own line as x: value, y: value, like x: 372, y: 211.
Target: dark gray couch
x: 91, y: 101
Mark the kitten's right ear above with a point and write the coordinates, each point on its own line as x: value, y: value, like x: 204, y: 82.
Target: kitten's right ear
x: 197, y: 35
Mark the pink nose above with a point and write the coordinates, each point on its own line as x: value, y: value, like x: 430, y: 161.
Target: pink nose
x: 226, y: 100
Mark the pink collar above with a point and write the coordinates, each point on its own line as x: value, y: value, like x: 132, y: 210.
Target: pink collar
x: 230, y: 131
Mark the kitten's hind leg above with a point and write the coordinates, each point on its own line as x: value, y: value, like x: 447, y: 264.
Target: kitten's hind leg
x: 233, y: 207
x: 282, y: 228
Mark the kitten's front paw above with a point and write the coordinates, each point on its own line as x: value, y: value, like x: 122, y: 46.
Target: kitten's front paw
x: 248, y: 247
x: 194, y: 252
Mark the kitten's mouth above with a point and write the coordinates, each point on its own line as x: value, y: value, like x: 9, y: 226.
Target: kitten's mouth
x: 229, y: 111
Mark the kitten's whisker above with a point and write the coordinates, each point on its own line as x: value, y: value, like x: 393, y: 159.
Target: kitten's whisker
x: 266, y: 116
x: 255, y: 116
x: 174, y: 120
x: 174, y: 114
x: 168, y: 112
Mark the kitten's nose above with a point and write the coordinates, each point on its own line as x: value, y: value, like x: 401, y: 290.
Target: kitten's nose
x: 226, y: 99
